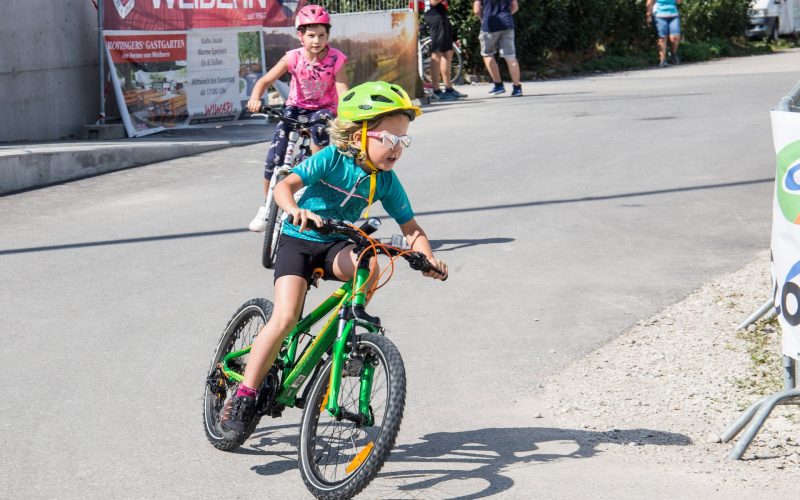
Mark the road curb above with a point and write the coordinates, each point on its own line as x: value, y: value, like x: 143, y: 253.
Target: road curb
x: 24, y: 168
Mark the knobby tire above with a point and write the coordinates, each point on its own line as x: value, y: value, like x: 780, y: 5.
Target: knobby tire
x: 313, y: 448
x: 240, y: 332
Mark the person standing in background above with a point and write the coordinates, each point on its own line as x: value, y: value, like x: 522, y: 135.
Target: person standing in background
x: 497, y: 33
x: 668, y: 25
x: 442, y: 36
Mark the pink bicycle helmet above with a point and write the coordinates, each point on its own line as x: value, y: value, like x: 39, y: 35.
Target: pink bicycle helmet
x: 312, y: 14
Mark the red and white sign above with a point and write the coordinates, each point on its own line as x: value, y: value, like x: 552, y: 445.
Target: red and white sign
x: 169, y: 15
x: 146, y: 48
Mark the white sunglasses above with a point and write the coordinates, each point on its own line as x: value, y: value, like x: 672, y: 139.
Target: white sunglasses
x: 390, y: 141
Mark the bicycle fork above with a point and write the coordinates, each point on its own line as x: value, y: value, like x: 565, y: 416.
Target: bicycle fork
x: 285, y: 169
x: 352, y: 364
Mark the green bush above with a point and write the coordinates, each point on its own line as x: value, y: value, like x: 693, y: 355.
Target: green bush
x: 705, y: 20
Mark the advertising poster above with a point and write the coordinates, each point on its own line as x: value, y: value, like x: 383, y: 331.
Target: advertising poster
x: 168, y: 80
x: 179, y: 63
x: 786, y: 228
x: 150, y: 79
x: 213, y: 76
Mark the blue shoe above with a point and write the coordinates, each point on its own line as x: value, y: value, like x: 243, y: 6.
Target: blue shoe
x: 517, y: 91
x: 498, y: 88
x: 455, y: 92
x: 443, y: 96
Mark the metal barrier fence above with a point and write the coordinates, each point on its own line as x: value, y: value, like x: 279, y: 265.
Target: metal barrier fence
x: 759, y: 411
x: 350, y: 6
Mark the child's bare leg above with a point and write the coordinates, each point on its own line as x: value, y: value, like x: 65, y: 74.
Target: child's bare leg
x: 266, y: 189
x: 344, y: 267
x: 289, y: 294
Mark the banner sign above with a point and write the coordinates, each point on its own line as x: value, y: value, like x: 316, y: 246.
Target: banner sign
x: 170, y: 15
x: 786, y: 228
x: 178, y: 63
x: 146, y: 48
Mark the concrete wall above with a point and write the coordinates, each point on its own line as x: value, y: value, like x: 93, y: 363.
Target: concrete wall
x: 48, y: 69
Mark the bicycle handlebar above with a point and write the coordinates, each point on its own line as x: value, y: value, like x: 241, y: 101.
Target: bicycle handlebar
x: 298, y: 124
x: 416, y: 260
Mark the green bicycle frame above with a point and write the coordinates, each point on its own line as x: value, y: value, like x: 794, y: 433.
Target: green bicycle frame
x: 334, y: 334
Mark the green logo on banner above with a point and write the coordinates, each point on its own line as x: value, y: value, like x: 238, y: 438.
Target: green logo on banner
x: 788, y: 182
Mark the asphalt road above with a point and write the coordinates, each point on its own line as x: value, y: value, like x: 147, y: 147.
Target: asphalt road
x: 565, y: 216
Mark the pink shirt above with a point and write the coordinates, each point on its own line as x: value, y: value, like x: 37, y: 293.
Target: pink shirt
x: 313, y: 85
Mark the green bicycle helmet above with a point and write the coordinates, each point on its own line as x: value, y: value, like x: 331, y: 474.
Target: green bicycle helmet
x: 371, y: 99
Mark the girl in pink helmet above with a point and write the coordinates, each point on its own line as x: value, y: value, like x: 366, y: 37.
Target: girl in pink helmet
x: 318, y: 78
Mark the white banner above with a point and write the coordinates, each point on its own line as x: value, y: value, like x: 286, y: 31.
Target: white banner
x: 213, y: 92
x: 786, y: 228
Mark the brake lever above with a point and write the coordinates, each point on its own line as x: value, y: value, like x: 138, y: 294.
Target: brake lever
x: 420, y: 263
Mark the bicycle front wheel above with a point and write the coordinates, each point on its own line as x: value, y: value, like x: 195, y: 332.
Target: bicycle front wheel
x: 271, y: 237
x: 240, y: 333
x: 339, y: 457
x: 455, y: 65
x: 425, y: 58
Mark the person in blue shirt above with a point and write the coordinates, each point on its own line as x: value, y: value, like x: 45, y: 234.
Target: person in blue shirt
x: 342, y: 180
x: 497, y: 35
x: 668, y: 25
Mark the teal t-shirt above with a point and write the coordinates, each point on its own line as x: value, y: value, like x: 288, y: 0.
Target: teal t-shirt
x: 665, y: 8
x: 337, y: 188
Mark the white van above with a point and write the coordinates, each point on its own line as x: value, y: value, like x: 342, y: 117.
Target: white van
x: 771, y: 18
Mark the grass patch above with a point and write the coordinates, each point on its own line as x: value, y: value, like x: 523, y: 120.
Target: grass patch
x: 763, y: 344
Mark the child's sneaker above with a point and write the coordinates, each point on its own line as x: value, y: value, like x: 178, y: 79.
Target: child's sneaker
x: 663, y: 64
x: 237, y: 416
x: 259, y: 222
x: 498, y: 88
x: 676, y: 59
x: 517, y: 91
x: 452, y: 91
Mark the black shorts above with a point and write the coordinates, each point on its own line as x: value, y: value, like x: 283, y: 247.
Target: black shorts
x: 296, y: 257
x: 442, y: 33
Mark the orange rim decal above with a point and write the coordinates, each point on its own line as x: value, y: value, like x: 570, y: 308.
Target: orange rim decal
x: 325, y: 400
x: 359, y: 459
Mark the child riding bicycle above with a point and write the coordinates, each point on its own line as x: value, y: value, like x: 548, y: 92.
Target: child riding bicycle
x: 318, y: 78
x: 342, y: 181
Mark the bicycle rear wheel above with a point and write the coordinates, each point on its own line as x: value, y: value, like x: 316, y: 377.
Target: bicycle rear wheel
x: 240, y: 333
x: 339, y: 457
x: 425, y: 68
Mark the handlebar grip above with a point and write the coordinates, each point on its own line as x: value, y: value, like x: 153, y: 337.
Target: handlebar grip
x: 420, y: 263
x: 328, y: 225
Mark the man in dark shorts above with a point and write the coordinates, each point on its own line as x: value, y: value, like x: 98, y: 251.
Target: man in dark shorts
x: 442, y: 36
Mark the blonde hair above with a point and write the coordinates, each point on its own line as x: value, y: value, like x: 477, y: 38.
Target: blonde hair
x: 341, y: 131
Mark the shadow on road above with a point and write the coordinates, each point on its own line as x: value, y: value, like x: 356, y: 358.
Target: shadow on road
x: 484, y: 454
x: 445, y: 245
x: 634, y: 194
x: 474, y: 459
x: 221, y: 232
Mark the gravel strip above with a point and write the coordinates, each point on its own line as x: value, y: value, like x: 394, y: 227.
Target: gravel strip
x: 668, y: 387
